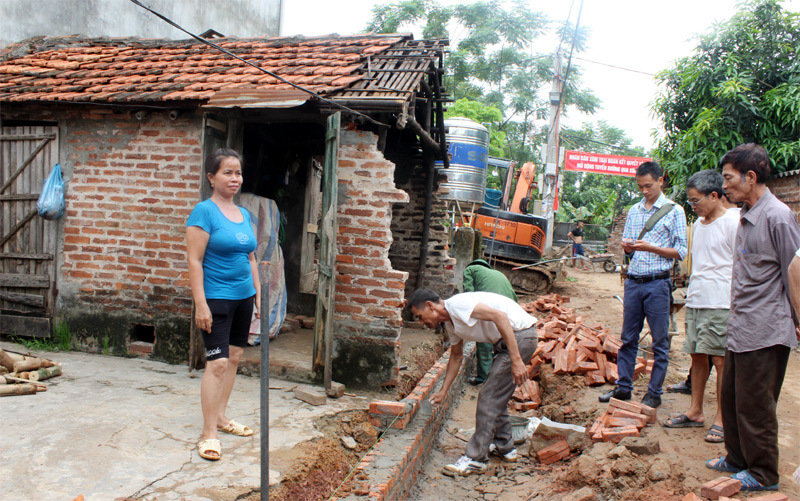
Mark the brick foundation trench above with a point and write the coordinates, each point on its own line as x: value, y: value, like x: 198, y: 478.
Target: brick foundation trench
x: 391, y: 467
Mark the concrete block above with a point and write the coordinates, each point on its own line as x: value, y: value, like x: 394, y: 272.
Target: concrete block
x: 310, y: 396
x: 720, y: 487
x: 641, y: 445
x: 336, y: 391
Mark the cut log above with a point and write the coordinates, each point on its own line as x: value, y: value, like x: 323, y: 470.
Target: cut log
x: 43, y: 374
x: 30, y: 364
x: 8, y: 390
x: 12, y: 380
x: 6, y: 360
x: 3, y: 370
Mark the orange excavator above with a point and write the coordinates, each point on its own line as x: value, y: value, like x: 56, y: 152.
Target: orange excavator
x: 514, y: 238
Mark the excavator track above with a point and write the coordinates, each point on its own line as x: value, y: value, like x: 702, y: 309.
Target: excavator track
x: 534, y: 280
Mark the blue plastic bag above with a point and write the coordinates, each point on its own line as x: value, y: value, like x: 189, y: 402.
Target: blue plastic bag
x: 51, y: 203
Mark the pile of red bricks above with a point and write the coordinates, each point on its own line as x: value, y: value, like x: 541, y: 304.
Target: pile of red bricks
x: 707, y: 494
x: 620, y: 420
x: 554, y: 452
x: 576, y: 348
x: 527, y: 396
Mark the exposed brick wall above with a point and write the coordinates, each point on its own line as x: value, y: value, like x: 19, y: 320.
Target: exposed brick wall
x: 131, y: 185
x: 369, y: 291
x: 615, y: 238
x: 787, y: 189
x: 127, y: 205
x: 407, y: 228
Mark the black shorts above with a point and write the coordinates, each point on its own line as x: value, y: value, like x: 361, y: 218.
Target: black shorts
x: 230, y: 325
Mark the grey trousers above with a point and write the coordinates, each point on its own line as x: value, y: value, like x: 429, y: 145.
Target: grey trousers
x: 491, y: 417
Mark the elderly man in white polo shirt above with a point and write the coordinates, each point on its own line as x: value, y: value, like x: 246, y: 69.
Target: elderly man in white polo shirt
x: 482, y: 317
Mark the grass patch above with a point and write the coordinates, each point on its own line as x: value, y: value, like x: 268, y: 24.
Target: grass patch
x: 60, y: 341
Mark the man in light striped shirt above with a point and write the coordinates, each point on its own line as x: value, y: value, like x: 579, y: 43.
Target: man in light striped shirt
x: 648, y: 287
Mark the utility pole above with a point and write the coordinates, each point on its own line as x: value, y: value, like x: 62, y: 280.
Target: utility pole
x: 551, y: 158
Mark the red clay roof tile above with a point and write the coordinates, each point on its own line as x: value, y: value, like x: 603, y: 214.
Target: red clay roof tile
x: 139, y: 70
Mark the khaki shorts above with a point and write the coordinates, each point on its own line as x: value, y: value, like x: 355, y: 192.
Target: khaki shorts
x: 706, y: 331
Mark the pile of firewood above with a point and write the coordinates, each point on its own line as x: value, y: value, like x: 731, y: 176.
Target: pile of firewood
x: 621, y: 419
x: 23, y: 375
x: 575, y: 347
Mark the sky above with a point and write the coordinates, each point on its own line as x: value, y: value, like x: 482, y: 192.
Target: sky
x: 641, y: 35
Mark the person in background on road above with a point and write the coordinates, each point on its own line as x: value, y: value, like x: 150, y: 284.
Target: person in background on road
x: 686, y: 385
x: 480, y: 277
x: 225, y: 287
x: 576, y: 236
x: 647, y: 286
x: 761, y: 329
x: 487, y: 318
x: 708, y: 298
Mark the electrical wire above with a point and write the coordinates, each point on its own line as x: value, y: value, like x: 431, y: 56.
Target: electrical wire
x: 231, y: 54
x: 614, y: 66
x: 579, y: 138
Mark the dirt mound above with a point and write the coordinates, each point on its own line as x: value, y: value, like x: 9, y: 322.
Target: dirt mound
x: 613, y: 472
x: 325, y: 462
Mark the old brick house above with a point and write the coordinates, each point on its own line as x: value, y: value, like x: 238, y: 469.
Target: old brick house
x: 130, y: 122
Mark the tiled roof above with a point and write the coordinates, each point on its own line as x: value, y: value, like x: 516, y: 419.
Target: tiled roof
x: 140, y: 70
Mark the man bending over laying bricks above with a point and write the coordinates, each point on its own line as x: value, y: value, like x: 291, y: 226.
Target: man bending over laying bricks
x: 483, y: 317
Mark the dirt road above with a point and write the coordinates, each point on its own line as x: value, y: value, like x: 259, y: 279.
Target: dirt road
x: 670, y: 474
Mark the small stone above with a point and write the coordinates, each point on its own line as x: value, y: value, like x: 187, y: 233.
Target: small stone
x: 641, y: 445
x: 492, y: 489
x: 336, y: 390
x: 349, y: 442
x: 617, y: 452
x: 310, y: 396
x: 659, y: 471
x: 584, y: 494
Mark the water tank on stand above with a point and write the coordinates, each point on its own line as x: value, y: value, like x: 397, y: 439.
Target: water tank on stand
x: 468, y: 150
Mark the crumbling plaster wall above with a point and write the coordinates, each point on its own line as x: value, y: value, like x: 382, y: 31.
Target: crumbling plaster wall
x: 369, y: 291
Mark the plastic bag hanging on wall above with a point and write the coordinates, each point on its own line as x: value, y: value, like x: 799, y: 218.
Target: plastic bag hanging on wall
x: 51, y: 203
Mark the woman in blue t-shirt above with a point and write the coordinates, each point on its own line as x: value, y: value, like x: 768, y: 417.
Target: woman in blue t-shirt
x: 224, y: 278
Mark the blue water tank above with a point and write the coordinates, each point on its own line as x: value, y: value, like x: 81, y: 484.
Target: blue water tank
x: 492, y: 198
x: 468, y: 149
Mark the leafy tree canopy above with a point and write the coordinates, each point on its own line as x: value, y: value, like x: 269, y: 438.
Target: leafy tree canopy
x: 741, y: 85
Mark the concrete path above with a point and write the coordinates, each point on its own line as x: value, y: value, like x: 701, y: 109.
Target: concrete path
x: 113, y: 427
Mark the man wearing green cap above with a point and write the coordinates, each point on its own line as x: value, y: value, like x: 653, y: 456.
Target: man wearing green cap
x: 480, y: 277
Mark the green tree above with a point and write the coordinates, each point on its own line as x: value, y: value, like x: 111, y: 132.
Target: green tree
x: 492, y: 59
x: 741, y: 84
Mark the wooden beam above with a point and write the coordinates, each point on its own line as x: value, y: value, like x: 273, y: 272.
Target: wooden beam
x: 26, y: 299
x: 25, y: 326
x: 27, y: 161
x: 13, y: 231
x: 23, y: 280
x: 25, y: 255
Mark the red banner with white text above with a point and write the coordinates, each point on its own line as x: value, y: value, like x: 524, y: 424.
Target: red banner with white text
x: 602, y: 164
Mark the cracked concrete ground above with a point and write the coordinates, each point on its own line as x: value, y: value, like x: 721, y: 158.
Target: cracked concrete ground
x: 113, y: 427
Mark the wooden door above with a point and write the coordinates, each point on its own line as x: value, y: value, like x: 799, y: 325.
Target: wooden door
x: 328, y: 228
x: 28, y: 243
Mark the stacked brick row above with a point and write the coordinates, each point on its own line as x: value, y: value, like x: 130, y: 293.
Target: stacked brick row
x: 407, y: 228
x: 621, y: 419
x: 614, y: 245
x: 369, y: 291
x: 132, y: 186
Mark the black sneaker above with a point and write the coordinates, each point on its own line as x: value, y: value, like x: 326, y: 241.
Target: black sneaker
x: 651, y: 400
x: 475, y: 381
x: 615, y: 393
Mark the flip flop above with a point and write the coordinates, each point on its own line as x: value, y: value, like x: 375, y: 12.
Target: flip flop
x: 235, y: 428
x: 210, y: 445
x: 682, y: 421
x: 715, y: 434
x: 722, y: 465
x: 749, y: 483
x: 681, y: 387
